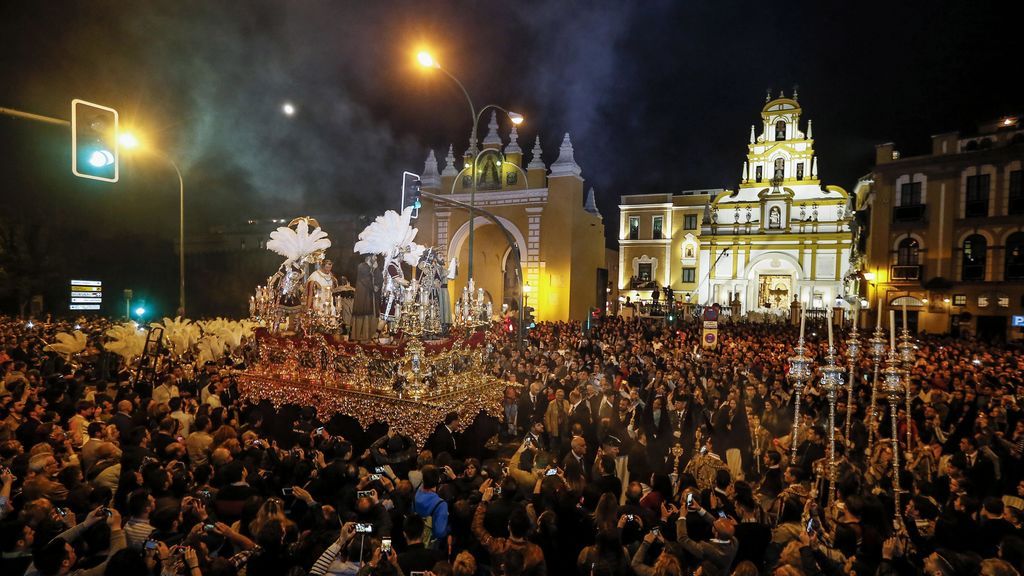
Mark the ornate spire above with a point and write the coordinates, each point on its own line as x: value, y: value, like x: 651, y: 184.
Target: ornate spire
x: 752, y: 137
x: 782, y: 94
x: 796, y: 87
x: 449, y: 163
x: 513, y: 142
x: 810, y: 129
x: 536, y: 162
x: 767, y: 95
x: 565, y: 165
x: 591, y: 203
x: 492, y: 138
x: 430, y: 178
x: 746, y: 172
x: 814, y: 167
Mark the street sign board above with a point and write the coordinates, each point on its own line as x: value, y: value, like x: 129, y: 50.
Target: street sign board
x: 86, y: 295
x: 1017, y: 321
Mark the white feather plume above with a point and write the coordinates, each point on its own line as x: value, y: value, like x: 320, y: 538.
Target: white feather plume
x: 68, y: 345
x: 390, y: 232
x: 298, y: 243
x: 210, y: 347
x: 126, y: 340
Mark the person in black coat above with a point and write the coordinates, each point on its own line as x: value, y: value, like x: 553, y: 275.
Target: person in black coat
x: 443, y: 439
x: 532, y: 406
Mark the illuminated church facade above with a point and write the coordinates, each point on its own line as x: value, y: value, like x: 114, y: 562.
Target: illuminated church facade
x: 780, y: 234
x: 557, y: 226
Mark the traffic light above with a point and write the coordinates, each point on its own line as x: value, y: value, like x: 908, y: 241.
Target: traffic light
x: 416, y: 192
x: 529, y: 321
x: 94, y: 141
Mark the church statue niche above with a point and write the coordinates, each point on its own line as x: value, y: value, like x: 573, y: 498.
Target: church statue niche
x: 488, y: 176
x: 689, y: 252
x: 775, y: 218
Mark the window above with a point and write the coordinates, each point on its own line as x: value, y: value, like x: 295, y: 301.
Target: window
x: 1003, y: 301
x: 972, y: 267
x: 976, y: 204
x: 799, y: 170
x: 689, y: 275
x: 907, y: 252
x: 644, y: 272
x: 780, y: 130
x: 634, y: 227
x: 690, y: 222
x: 1016, y: 204
x: 657, y: 223
x: 959, y: 299
x: 1015, y: 256
x: 780, y: 169
x: 910, y: 194
x: 759, y: 173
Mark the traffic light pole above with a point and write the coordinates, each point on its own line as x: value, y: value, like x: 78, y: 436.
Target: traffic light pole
x: 31, y: 116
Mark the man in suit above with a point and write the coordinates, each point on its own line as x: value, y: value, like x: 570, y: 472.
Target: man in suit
x: 123, y: 418
x: 578, y: 453
x: 443, y: 439
x: 579, y: 411
x: 811, y: 450
x: 978, y: 468
x: 532, y: 405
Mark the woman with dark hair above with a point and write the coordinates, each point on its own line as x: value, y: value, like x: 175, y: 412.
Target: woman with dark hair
x: 606, y: 557
x: 661, y: 492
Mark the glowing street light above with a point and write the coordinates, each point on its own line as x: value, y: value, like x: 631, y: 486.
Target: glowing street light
x: 515, y: 117
x: 128, y: 140
x: 140, y: 311
x: 288, y: 109
x: 426, y: 60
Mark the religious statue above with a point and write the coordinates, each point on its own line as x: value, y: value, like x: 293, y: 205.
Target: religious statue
x: 321, y: 287
x: 346, y: 296
x: 364, y: 306
x: 774, y: 218
x: 434, y: 285
x: 391, y: 236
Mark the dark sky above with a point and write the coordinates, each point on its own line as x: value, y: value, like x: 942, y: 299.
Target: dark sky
x: 658, y: 95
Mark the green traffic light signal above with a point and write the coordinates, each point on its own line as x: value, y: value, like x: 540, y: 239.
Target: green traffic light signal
x: 94, y: 152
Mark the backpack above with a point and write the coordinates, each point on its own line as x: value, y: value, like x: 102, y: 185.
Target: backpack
x: 428, y: 524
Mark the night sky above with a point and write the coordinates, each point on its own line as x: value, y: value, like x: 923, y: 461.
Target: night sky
x: 657, y: 95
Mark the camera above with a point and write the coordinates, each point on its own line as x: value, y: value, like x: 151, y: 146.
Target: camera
x: 630, y: 517
x: 378, y: 470
x: 319, y: 430
x: 208, y: 528
x: 364, y: 528
x: 364, y: 494
x: 107, y: 511
x: 287, y: 491
x: 689, y: 499
x: 722, y: 515
x: 385, y: 546
x: 150, y: 544
x: 552, y: 472
x: 497, y: 490
x: 374, y: 477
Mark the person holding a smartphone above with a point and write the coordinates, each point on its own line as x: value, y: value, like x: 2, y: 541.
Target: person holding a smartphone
x: 715, y: 555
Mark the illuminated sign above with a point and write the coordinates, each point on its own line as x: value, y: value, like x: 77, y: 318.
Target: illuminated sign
x: 86, y: 295
x: 1017, y: 321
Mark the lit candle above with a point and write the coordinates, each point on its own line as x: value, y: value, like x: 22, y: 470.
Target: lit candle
x: 879, y: 325
x: 828, y: 319
x: 904, y: 313
x: 803, y: 320
x: 892, y: 329
x: 856, y: 316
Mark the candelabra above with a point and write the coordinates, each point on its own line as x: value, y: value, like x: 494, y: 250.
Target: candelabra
x: 893, y: 388
x: 877, y: 355
x: 852, y: 355
x: 799, y: 375
x: 831, y: 382
x: 471, y: 312
x: 906, y: 353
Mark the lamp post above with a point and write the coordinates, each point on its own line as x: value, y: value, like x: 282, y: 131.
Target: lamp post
x: 427, y: 61
x: 852, y: 355
x: 130, y: 141
x: 799, y: 375
x: 831, y: 382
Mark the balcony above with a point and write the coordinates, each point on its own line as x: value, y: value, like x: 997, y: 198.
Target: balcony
x: 905, y: 273
x: 911, y: 213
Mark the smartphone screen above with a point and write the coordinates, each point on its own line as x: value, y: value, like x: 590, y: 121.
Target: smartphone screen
x: 286, y: 491
x: 385, y: 545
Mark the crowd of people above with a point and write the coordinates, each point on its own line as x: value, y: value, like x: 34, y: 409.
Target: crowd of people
x: 622, y: 449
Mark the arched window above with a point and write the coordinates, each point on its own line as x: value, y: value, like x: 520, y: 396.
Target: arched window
x: 972, y: 267
x: 780, y: 169
x: 907, y: 252
x: 780, y: 130
x: 1015, y: 256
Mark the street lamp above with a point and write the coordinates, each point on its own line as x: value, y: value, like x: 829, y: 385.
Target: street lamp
x: 426, y: 60
x: 130, y: 141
